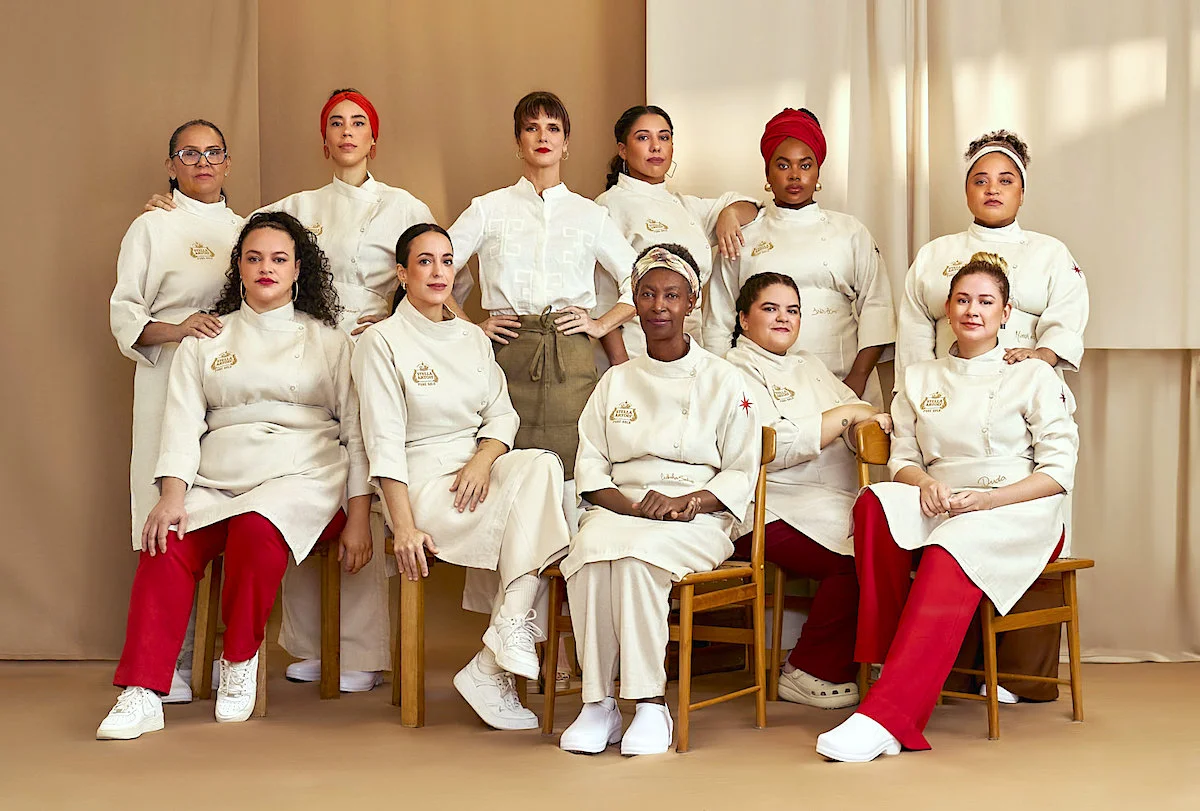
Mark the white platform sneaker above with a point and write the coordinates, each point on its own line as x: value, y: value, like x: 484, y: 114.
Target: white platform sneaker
x: 511, y: 640
x: 493, y: 697
x: 858, y: 739
x: 136, y: 712
x: 349, y: 681
x: 238, y: 690
x: 597, y: 728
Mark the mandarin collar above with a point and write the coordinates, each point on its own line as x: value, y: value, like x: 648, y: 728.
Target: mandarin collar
x: 367, y: 192
x: 989, y: 363
x: 446, y: 328
x: 808, y: 215
x: 526, y: 188
x: 656, y: 190
x: 1008, y: 233
x: 684, y: 367
x: 779, y: 362
x: 211, y: 211
x: 281, y: 319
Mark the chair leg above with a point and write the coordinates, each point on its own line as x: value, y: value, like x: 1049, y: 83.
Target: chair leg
x: 331, y: 624
x: 760, y: 655
x: 777, y: 601
x: 204, y: 644
x: 396, y: 653
x: 550, y: 655
x: 260, y: 695
x: 683, y: 728
x: 412, y: 652
x: 987, y: 614
x: 1073, y: 652
x: 864, y: 680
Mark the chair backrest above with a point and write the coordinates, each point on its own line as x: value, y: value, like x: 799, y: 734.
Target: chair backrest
x: 874, y: 448
x: 758, y: 538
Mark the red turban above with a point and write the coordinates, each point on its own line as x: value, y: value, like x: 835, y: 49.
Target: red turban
x: 357, y: 98
x: 793, y: 124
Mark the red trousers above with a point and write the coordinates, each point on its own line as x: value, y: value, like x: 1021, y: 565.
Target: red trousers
x: 256, y: 557
x: 913, y: 625
x: 826, y: 645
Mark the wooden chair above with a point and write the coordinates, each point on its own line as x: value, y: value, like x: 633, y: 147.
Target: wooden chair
x: 740, y: 584
x: 1058, y: 575
x: 207, y: 611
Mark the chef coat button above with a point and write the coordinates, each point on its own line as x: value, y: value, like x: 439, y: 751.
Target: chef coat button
x: 985, y: 430
x: 464, y: 332
x: 293, y: 388
x: 826, y: 264
x: 823, y: 239
x: 676, y: 445
x: 479, y: 368
x: 692, y: 373
x: 685, y: 411
x: 362, y: 230
x: 296, y: 355
x: 991, y: 395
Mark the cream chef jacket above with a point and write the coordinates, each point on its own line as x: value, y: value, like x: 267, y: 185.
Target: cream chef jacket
x: 172, y: 264
x: 676, y: 428
x: 357, y: 228
x: 810, y: 487
x: 979, y: 424
x: 845, y: 295
x: 538, y: 251
x: 264, y: 418
x: 1048, y: 293
x: 650, y: 214
x: 430, y: 392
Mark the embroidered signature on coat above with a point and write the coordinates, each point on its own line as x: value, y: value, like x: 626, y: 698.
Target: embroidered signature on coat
x: 624, y: 413
x: 782, y: 393
x: 201, y: 251
x: 824, y: 311
x: 678, y: 478
x: 424, y: 376
x: 1024, y: 336
x: 762, y: 247
x: 952, y: 268
x: 223, y: 361
x: 655, y: 227
x: 315, y: 229
x: 992, y: 481
x: 933, y: 402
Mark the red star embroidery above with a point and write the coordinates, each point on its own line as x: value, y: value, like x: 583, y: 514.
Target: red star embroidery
x: 745, y: 404
x: 1078, y: 271
x: 1063, y: 397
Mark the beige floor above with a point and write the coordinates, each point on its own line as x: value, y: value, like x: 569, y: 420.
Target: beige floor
x: 1139, y: 748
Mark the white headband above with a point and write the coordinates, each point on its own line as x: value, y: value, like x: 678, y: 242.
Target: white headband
x: 660, y: 257
x: 1002, y: 149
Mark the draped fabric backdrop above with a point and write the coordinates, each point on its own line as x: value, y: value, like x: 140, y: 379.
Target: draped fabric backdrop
x: 1109, y: 102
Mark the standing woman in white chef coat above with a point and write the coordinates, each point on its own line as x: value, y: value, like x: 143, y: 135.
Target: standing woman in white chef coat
x: 260, y: 451
x: 1049, y: 314
x: 849, y: 321
x: 169, y: 273
x: 648, y: 213
x: 983, y: 454
x: 668, y: 448
x: 538, y: 244
x: 811, y: 485
x: 439, y: 426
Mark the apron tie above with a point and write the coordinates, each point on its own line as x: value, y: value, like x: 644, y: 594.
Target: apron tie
x: 547, y: 334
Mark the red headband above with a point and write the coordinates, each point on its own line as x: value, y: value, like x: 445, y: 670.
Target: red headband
x: 357, y: 98
x: 793, y: 124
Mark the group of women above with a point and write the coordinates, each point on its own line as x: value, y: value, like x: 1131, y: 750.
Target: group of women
x: 278, y: 405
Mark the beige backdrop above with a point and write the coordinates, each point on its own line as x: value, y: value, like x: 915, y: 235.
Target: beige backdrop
x: 93, y: 92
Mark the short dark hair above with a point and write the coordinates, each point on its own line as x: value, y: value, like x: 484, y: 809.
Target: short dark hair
x: 540, y: 102
x: 402, y: 246
x: 749, y: 294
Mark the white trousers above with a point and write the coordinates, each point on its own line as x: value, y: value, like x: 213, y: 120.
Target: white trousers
x: 365, y: 615
x: 619, y: 610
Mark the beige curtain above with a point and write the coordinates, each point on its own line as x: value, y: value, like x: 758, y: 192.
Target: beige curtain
x: 1109, y: 105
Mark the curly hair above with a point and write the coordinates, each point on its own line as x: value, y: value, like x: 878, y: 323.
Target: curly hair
x: 315, y: 294
x: 1002, y: 137
x: 749, y: 294
x: 987, y: 264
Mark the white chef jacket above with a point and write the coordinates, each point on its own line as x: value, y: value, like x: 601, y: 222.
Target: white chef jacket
x: 980, y: 424
x: 172, y: 265
x: 264, y: 418
x: 810, y: 487
x: 1048, y: 293
x: 429, y: 393
x: 538, y: 251
x: 650, y: 214
x: 676, y: 428
x: 357, y: 228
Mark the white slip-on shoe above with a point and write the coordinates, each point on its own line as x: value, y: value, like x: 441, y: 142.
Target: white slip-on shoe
x: 511, y: 640
x: 858, y: 739
x: 238, y: 690
x: 650, y: 732
x: 804, y: 688
x: 494, y: 698
x: 136, y: 712
x: 305, y: 670
x: 186, y: 675
x: 597, y: 728
x: 181, y: 690
x: 1002, y: 695
x: 359, y: 681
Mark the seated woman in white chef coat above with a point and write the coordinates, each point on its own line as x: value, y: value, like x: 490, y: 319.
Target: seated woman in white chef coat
x: 811, y: 485
x: 849, y: 321
x: 439, y: 426
x: 983, y: 454
x: 261, y: 456
x: 668, y: 448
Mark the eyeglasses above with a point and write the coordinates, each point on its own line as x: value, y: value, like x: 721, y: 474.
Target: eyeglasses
x: 191, y: 157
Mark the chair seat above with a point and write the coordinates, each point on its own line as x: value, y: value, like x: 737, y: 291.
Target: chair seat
x: 1068, y: 565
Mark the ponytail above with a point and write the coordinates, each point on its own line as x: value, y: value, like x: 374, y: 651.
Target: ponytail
x: 621, y: 130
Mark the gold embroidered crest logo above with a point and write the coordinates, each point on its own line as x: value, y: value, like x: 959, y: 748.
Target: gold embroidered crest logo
x: 624, y: 413
x: 201, y: 251
x: 782, y: 393
x: 223, y: 361
x: 424, y: 376
x: 655, y: 227
x: 933, y: 402
x: 762, y: 248
x: 952, y: 268
x: 315, y: 229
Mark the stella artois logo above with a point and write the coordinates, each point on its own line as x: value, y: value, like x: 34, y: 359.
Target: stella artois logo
x: 624, y: 413
x: 315, y: 229
x: 655, y: 227
x: 952, y: 268
x: 762, y: 248
x: 201, y: 251
x: 424, y: 376
x: 223, y: 361
x: 933, y: 403
x: 782, y: 393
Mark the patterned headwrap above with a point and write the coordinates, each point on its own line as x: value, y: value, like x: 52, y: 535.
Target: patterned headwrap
x: 660, y: 257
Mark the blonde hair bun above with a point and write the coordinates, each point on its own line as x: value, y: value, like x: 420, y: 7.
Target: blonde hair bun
x: 991, y: 259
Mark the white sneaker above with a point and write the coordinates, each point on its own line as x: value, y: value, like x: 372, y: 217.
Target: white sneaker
x: 350, y: 681
x: 511, y: 640
x: 137, y: 711
x: 650, y: 732
x: 1002, y: 695
x: 597, y: 728
x: 804, y: 688
x: 238, y: 690
x: 858, y: 739
x: 305, y: 670
x: 181, y: 690
x: 494, y: 698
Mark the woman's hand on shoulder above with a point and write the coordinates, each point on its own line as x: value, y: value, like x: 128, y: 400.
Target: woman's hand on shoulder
x: 199, y: 325
x: 167, y: 512
x: 409, y: 546
x: 365, y: 322
x: 730, y: 240
x: 577, y: 320
x: 470, y: 486
x: 499, y: 328
x: 163, y: 201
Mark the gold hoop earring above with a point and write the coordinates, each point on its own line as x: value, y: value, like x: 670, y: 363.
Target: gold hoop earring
x: 295, y: 290
x: 242, y: 292
x: 817, y: 187
x: 326, y: 148
x: 766, y: 187
x: 520, y: 156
